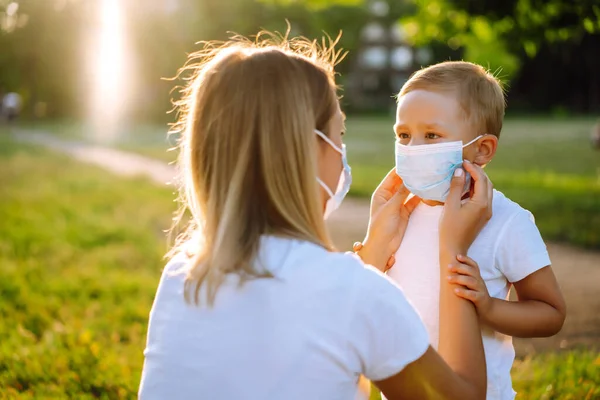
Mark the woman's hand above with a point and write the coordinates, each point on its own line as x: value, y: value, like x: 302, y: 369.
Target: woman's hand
x: 388, y: 220
x: 462, y: 221
x: 460, y: 343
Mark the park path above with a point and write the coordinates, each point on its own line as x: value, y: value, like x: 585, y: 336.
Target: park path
x: 577, y: 270
x: 116, y: 161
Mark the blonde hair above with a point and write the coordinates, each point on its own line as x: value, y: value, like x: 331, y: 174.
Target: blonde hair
x: 248, y: 151
x: 480, y: 94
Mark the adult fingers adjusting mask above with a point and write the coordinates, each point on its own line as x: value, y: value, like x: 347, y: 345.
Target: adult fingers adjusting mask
x: 427, y: 170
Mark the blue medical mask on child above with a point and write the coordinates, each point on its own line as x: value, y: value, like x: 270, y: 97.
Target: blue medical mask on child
x: 427, y: 170
x: 343, y: 187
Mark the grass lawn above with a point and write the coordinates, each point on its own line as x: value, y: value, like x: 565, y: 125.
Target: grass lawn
x: 562, y: 376
x: 547, y: 165
x: 80, y: 257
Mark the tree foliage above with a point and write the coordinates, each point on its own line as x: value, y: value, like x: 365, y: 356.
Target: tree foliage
x: 497, y: 32
x: 45, y: 44
x: 38, y: 48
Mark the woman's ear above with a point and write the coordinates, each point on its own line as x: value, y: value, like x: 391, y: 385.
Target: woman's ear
x: 486, y: 149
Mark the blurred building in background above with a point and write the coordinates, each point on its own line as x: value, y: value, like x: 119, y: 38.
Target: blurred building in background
x: 384, y: 60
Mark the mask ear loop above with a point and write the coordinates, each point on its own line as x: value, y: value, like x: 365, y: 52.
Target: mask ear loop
x: 324, y: 186
x: 474, y: 140
x: 329, y: 141
x: 468, y: 144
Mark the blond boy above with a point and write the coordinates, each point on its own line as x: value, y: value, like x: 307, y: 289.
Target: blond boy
x: 446, y: 113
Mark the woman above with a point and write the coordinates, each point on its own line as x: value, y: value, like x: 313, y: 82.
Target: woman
x: 257, y: 304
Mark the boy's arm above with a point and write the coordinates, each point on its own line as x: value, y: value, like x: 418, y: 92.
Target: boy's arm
x: 522, y: 257
x: 539, y: 312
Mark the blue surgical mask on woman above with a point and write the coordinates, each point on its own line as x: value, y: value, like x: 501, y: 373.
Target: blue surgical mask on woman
x: 343, y: 187
x: 427, y: 170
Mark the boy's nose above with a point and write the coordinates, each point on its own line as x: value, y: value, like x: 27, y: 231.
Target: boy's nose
x: 416, y: 142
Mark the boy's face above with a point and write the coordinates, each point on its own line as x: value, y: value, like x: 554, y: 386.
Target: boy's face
x: 425, y: 117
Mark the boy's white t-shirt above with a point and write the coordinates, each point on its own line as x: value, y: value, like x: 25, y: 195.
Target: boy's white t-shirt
x: 508, y: 249
x: 307, y: 333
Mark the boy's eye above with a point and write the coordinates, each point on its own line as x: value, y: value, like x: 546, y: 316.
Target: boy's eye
x: 431, y: 135
x: 403, y: 136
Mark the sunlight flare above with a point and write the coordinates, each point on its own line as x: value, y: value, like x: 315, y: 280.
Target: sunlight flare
x: 109, y: 84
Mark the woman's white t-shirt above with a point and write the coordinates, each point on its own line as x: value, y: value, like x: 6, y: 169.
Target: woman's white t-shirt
x: 306, y: 333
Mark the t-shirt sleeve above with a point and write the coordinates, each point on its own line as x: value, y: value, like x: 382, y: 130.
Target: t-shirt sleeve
x: 521, y: 250
x: 387, y: 332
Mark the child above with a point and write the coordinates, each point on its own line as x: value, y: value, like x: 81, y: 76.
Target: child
x: 446, y: 113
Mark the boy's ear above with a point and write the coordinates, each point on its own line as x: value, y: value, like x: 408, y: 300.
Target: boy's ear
x: 486, y: 149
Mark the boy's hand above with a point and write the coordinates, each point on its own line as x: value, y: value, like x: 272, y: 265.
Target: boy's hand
x: 466, y: 273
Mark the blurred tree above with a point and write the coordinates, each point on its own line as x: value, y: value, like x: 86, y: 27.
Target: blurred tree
x: 44, y: 44
x: 38, y: 50
x: 524, y: 24
x: 316, y: 4
x: 496, y: 32
x: 534, y: 22
x: 521, y: 39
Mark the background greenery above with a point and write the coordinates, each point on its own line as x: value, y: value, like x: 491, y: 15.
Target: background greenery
x: 76, y: 296
x: 546, y: 50
x: 81, y: 251
x: 545, y: 164
x: 80, y: 255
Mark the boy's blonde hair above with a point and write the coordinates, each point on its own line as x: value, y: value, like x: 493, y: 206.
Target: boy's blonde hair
x: 248, y: 152
x: 480, y: 94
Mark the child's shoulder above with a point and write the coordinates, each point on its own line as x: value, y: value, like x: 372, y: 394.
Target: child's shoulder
x: 518, y: 248
x: 507, y: 218
x: 504, y: 209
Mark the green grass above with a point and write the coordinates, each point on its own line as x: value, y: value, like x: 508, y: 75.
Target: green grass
x: 545, y: 164
x: 572, y: 375
x: 80, y: 258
